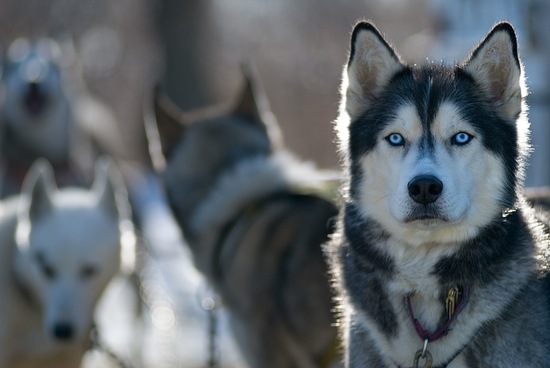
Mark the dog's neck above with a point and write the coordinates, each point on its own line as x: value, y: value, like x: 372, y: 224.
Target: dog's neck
x: 53, y: 143
x: 422, y: 276
x: 428, y: 271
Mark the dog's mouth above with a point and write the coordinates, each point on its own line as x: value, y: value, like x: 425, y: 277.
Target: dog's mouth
x: 35, y: 99
x: 425, y: 216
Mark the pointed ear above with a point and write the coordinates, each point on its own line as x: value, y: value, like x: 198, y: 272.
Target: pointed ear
x: 106, y: 185
x: 170, y: 124
x: 251, y: 101
x: 38, y: 186
x: 496, y: 67
x: 371, y: 65
x: 253, y: 105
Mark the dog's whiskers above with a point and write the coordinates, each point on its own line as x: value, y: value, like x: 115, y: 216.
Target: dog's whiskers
x: 383, y: 197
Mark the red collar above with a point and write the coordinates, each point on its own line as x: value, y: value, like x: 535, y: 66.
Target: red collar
x: 460, y: 300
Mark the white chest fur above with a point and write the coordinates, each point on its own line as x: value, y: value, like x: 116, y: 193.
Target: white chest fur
x: 414, y: 277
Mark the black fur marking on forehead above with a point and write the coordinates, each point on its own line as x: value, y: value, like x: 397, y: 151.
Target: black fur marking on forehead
x: 424, y: 88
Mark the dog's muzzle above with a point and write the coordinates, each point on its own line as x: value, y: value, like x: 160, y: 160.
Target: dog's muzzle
x: 425, y: 189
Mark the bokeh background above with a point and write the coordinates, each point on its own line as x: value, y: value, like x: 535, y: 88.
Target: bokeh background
x: 194, y: 48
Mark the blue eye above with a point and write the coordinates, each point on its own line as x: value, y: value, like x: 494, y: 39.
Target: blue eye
x: 461, y: 138
x: 395, y: 139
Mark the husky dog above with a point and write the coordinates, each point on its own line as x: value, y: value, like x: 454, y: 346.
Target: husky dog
x: 45, y: 114
x: 248, y: 212
x: 59, y: 249
x: 438, y: 259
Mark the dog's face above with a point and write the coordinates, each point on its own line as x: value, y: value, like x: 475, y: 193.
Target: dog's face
x: 69, y: 245
x: 32, y: 81
x: 35, y: 108
x: 434, y: 151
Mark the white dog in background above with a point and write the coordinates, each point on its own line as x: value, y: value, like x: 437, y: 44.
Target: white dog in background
x: 60, y: 249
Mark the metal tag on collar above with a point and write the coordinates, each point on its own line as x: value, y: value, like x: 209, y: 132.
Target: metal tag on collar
x: 424, y: 354
x: 451, y: 301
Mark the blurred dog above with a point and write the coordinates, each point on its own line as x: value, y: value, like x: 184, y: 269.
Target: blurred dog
x: 46, y: 113
x: 248, y: 211
x: 59, y: 248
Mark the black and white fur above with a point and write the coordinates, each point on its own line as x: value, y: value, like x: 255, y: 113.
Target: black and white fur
x: 435, y: 159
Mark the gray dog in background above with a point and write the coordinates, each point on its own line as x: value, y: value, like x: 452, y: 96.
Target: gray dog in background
x: 255, y: 223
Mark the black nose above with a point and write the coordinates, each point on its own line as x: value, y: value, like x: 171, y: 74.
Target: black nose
x: 425, y: 189
x: 63, y: 331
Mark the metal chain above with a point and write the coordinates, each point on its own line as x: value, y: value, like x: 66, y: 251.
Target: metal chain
x: 209, y: 304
